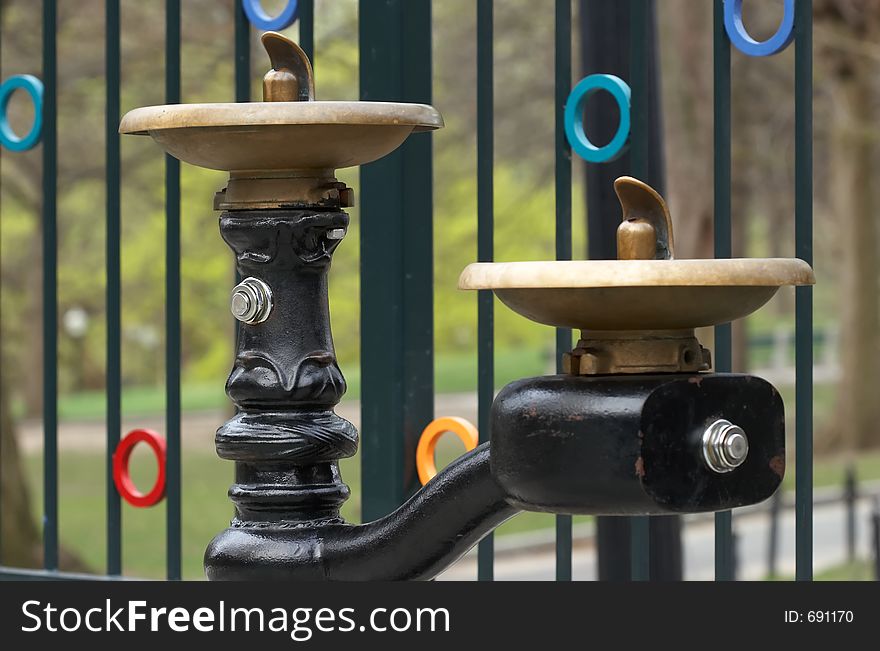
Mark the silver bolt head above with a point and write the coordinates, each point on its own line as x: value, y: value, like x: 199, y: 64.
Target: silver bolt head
x: 725, y: 446
x: 240, y: 304
x: 251, y: 301
x: 736, y: 446
x: 335, y: 233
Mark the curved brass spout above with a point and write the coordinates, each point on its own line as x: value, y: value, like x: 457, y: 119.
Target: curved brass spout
x: 290, y: 79
x: 428, y: 533
x: 646, y: 230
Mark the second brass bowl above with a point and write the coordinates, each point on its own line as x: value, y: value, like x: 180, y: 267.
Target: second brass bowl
x: 636, y: 294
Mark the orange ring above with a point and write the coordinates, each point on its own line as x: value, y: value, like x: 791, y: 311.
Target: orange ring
x: 432, y: 433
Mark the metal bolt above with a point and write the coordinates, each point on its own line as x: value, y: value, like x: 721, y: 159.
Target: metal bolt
x: 251, y: 301
x: 335, y: 233
x: 725, y: 446
x: 241, y: 305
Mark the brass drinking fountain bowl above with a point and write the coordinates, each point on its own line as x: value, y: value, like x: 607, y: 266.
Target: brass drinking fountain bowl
x: 636, y: 423
x: 644, y: 296
x: 283, y: 151
x: 281, y: 135
x: 636, y: 294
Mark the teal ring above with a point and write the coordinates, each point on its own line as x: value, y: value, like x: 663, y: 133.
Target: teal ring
x: 574, y: 118
x: 33, y: 87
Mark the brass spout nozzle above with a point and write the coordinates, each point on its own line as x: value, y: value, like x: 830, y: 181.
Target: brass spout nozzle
x: 646, y: 230
x: 290, y: 79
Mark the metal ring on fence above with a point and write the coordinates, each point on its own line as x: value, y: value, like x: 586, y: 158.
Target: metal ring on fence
x: 574, y: 118
x: 122, y: 477
x: 261, y: 20
x: 462, y: 428
x: 740, y: 38
x: 33, y: 87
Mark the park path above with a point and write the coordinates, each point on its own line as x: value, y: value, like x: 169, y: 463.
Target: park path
x: 536, y: 562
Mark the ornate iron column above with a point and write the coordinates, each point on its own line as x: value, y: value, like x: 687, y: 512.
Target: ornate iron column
x: 286, y: 440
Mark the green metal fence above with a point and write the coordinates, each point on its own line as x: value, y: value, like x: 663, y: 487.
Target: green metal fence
x: 396, y: 256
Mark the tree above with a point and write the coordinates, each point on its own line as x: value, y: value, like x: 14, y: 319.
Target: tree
x: 847, y: 33
x: 18, y: 531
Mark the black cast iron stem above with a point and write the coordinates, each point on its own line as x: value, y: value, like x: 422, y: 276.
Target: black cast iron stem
x: 286, y: 440
x: 419, y: 540
x: 607, y: 445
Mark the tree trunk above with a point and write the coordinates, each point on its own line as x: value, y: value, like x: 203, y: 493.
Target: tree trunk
x: 19, y: 536
x: 686, y: 48
x: 851, y: 153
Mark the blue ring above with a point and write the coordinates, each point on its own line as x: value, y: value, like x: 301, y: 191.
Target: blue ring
x: 738, y: 35
x: 34, y: 88
x: 261, y: 20
x: 574, y: 118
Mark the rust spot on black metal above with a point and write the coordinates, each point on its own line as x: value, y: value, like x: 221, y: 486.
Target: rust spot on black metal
x: 640, y: 468
x: 777, y: 465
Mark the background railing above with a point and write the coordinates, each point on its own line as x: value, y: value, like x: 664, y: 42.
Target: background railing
x: 396, y: 247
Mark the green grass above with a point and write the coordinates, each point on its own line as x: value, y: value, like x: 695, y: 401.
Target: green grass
x: 858, y: 570
x: 206, y: 510
x: 453, y: 373
x: 141, y: 401
x: 830, y: 471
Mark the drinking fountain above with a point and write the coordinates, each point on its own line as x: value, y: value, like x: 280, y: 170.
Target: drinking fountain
x: 635, y: 425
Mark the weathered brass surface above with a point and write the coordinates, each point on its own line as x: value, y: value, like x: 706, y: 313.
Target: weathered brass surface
x: 632, y: 312
x: 653, y: 351
x: 636, y: 294
x: 289, y: 189
x: 262, y: 143
x: 291, y: 78
x: 646, y: 230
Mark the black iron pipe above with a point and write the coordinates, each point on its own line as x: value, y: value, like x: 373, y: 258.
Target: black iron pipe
x: 428, y: 533
x: 601, y: 445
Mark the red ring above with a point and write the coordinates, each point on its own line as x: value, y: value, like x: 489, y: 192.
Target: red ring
x: 121, y: 476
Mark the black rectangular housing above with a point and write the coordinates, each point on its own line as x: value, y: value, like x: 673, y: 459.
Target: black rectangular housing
x: 626, y: 445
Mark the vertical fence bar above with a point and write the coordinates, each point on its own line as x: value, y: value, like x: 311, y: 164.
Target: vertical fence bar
x: 112, y: 255
x: 562, y: 66
x: 723, y: 248
x: 172, y: 301
x: 242, y: 75
x: 485, y: 246
x: 242, y: 59
x: 850, y: 497
x: 640, y: 536
x: 605, y: 33
x: 397, y: 301
x: 307, y: 28
x: 803, y: 175
x: 50, y: 287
